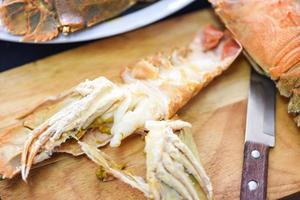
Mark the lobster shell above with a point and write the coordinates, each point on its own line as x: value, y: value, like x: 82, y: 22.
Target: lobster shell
x: 269, y: 31
x: 43, y: 20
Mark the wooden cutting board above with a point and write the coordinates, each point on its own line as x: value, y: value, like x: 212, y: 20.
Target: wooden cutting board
x: 217, y: 114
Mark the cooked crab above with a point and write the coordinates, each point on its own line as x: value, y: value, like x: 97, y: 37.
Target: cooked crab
x: 173, y: 170
x: 270, y: 34
x: 153, y: 89
x: 42, y: 20
x: 97, y: 97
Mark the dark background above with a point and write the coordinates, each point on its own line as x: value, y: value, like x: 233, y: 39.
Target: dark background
x: 16, y: 54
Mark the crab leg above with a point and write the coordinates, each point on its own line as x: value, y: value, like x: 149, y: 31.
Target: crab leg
x: 161, y: 167
x: 167, y: 178
x: 178, y: 171
x: 97, y: 99
x: 201, y: 177
x: 171, y: 181
x: 200, y: 174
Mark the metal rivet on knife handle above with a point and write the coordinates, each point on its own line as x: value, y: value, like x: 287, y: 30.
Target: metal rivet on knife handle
x: 260, y: 135
x: 252, y: 185
x: 255, y: 154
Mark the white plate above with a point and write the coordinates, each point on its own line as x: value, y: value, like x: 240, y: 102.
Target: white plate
x: 134, y: 20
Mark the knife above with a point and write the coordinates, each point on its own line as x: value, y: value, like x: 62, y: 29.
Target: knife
x: 259, y: 137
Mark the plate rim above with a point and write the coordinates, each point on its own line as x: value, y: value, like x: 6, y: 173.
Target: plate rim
x: 127, y: 22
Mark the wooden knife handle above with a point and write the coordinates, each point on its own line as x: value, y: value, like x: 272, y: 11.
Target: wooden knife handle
x: 255, y: 172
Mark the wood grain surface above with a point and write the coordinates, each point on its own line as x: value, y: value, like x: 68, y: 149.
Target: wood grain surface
x: 217, y: 115
x: 255, y: 169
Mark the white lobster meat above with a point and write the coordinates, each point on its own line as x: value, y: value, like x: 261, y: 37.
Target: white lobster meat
x: 173, y: 169
x: 154, y: 89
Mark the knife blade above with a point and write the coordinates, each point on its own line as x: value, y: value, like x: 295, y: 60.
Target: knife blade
x: 259, y: 137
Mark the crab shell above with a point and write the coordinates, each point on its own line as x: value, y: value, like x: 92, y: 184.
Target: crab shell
x: 270, y: 33
x: 153, y: 89
x: 44, y: 20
